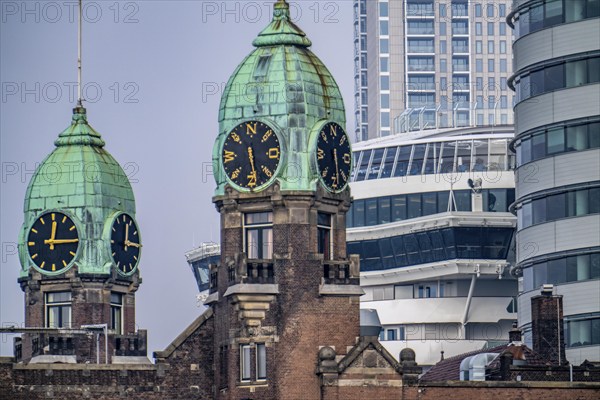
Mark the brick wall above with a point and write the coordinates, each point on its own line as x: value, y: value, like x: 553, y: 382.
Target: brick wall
x: 455, y: 390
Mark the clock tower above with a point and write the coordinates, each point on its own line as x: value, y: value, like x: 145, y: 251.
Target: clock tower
x: 285, y: 288
x: 79, y: 249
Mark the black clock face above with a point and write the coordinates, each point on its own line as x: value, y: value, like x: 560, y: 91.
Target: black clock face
x: 53, y: 242
x: 125, y: 243
x: 334, y: 157
x: 251, y: 154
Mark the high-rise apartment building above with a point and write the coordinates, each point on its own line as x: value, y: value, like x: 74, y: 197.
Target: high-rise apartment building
x: 423, y: 64
x: 557, y: 143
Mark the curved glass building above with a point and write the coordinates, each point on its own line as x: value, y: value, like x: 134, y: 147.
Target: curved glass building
x: 557, y: 143
x: 434, y: 252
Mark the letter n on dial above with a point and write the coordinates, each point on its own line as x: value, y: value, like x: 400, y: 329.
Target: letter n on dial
x: 334, y: 157
x: 251, y: 155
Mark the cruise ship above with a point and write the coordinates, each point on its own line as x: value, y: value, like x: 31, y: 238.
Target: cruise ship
x: 431, y: 225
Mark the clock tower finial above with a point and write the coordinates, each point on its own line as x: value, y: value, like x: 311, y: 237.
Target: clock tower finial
x: 79, y: 109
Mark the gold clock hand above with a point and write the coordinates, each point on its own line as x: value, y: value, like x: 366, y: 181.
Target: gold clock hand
x: 131, y: 244
x: 62, y: 241
x: 52, y: 235
x: 337, y: 170
x: 126, y: 235
x: 251, y: 157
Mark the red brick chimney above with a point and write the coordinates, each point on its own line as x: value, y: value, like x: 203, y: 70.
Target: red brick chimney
x: 547, y: 326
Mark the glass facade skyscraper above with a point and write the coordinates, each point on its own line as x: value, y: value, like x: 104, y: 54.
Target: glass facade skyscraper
x: 422, y: 64
x: 557, y: 143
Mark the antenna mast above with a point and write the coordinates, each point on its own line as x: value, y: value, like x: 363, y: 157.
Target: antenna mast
x: 79, y: 96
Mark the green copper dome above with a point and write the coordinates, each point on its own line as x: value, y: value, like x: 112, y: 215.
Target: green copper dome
x: 283, y: 84
x: 82, y: 180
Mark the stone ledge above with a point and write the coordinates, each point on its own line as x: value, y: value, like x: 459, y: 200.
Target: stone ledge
x: 252, y: 288
x: 87, y: 367
x: 212, y: 298
x: 340, y: 290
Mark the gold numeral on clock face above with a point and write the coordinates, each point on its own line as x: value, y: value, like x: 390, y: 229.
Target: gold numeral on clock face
x: 251, y: 128
x: 347, y: 158
x: 229, y: 156
x: 320, y: 154
x: 266, y: 136
x: 267, y: 171
x: 273, y: 153
x: 251, y: 180
x: 333, y: 130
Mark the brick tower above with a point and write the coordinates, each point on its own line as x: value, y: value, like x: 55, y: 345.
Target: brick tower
x: 79, y: 249
x: 285, y: 287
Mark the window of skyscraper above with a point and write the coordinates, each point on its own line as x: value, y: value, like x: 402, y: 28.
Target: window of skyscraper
x: 478, y: 29
x: 478, y: 47
x: 503, y: 47
x: 384, y: 64
x: 420, y: 27
x: 503, y: 84
x: 384, y: 28
x: 503, y: 102
x: 478, y: 12
x: 490, y: 9
x: 385, y: 83
x: 502, y: 28
x: 385, y: 119
x: 479, y: 100
x: 503, y: 65
x: 442, y: 28
x: 442, y: 10
x: 460, y: 27
x: 490, y: 28
x: 490, y: 49
x: 479, y: 83
x: 479, y: 65
x: 491, y: 102
x: 491, y: 63
x: 502, y: 10
x: 460, y: 45
x: 442, y: 46
x: 443, y: 66
x: 384, y: 46
x: 383, y: 9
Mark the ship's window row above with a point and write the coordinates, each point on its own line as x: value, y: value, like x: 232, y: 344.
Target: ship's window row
x: 553, y: 12
x: 430, y: 158
x: 432, y: 246
x: 383, y: 210
x: 564, y: 75
x: 563, y: 270
x: 557, y: 140
x: 573, y: 203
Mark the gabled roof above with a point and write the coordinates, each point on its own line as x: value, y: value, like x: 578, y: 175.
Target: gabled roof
x: 365, y: 343
x: 179, y: 340
x: 449, y: 369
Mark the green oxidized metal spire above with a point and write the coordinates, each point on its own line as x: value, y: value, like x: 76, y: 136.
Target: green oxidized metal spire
x: 80, y: 132
x: 282, y: 83
x: 282, y: 30
x: 79, y: 178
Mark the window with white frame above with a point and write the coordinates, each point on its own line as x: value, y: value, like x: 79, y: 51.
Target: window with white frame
x: 58, y: 310
x: 324, y: 235
x: 258, y: 235
x: 253, y: 362
x: 116, y: 313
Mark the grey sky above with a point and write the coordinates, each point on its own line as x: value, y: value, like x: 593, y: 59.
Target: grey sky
x: 157, y: 65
